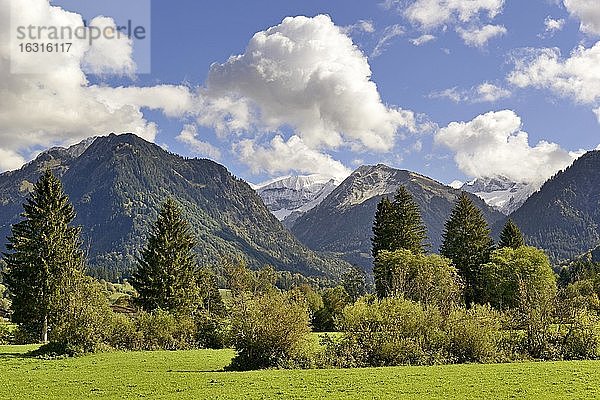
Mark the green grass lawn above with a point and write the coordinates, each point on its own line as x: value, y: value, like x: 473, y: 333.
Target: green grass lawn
x: 198, y: 374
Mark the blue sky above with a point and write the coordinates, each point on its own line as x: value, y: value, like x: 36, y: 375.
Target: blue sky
x: 452, y: 132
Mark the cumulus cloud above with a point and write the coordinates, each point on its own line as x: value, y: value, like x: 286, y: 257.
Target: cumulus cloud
x: 488, y: 92
x: 306, y: 77
x: 389, y: 33
x: 109, y: 56
x: 421, y: 40
x: 588, y: 12
x: 281, y: 156
x: 189, y: 136
x: 576, y: 76
x: 493, y: 144
x: 479, y: 36
x: 66, y: 107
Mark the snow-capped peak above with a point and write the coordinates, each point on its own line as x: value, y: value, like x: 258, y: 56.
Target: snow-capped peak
x: 500, y: 192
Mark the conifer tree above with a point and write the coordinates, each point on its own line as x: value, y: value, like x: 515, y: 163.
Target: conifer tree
x: 511, y: 236
x: 466, y: 241
x: 44, y: 258
x: 383, y: 227
x: 409, y: 232
x: 166, y: 273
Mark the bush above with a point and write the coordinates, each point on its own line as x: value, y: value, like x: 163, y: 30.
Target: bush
x: 161, y: 330
x: 473, y: 335
x: 391, y: 331
x: 5, y: 333
x: 124, y: 334
x: 269, y: 330
x: 581, y: 338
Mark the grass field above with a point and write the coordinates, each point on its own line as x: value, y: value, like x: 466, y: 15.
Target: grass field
x: 198, y: 374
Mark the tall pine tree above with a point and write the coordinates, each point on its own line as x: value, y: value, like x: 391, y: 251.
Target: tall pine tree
x: 409, y: 232
x: 398, y: 225
x: 44, y: 258
x: 467, y: 242
x: 511, y: 236
x: 166, y: 274
x: 383, y: 227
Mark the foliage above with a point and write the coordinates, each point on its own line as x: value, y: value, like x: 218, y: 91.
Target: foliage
x: 44, y: 259
x: 269, y: 330
x: 467, y: 242
x: 334, y: 301
x: 165, y: 277
x: 354, y: 282
x: 512, y: 270
x: 161, y: 330
x: 383, y: 227
x: 429, y: 279
x: 473, y: 334
x: 511, y: 236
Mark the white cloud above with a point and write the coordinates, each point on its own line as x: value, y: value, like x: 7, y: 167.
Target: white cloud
x: 363, y: 26
x: 488, y: 92
x: 485, y: 92
x: 304, y: 77
x: 421, y: 40
x: 389, y: 33
x: 588, y: 12
x: 597, y: 112
x: 282, y: 156
x: 109, y: 56
x: 493, y: 144
x: 478, y: 37
x: 10, y: 160
x: 431, y: 14
x: 552, y: 26
x: 577, y: 76
x: 189, y: 136
x: 60, y: 107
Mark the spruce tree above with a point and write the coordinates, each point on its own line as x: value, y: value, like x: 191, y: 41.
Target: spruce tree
x: 383, y: 227
x: 466, y: 241
x: 44, y: 258
x: 511, y: 236
x: 409, y: 232
x: 166, y: 273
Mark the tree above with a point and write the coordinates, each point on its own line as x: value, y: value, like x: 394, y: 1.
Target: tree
x: 383, y: 227
x: 466, y: 241
x: 166, y: 275
x: 428, y: 279
x: 44, y: 258
x: 512, y: 272
x: 511, y: 236
x: 334, y: 301
x: 409, y: 232
x: 354, y: 283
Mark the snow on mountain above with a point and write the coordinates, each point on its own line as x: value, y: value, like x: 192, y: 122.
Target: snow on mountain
x: 500, y: 192
x: 291, y: 196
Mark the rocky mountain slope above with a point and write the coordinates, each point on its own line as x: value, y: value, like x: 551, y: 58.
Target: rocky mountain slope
x: 342, y: 222
x: 118, y: 182
x: 500, y: 193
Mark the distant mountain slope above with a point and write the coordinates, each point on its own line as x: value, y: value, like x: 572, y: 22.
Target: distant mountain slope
x: 563, y: 217
x: 500, y: 193
x: 119, y: 181
x: 342, y: 222
x: 289, y: 197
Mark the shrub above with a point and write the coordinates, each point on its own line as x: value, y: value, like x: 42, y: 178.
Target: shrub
x: 473, y: 335
x: 581, y: 338
x: 161, y: 330
x: 391, y: 331
x: 124, y: 334
x: 269, y: 330
x: 5, y: 333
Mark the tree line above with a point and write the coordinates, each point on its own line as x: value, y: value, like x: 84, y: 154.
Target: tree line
x: 474, y: 302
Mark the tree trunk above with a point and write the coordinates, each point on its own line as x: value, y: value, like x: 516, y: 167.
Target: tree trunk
x: 45, y: 330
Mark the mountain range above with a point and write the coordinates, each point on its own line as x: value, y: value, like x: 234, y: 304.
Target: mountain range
x: 500, y: 193
x: 116, y: 184
x: 342, y: 222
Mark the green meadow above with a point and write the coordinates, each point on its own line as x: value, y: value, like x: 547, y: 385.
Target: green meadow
x: 199, y: 374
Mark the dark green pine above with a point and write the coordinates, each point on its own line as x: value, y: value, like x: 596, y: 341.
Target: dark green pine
x: 166, y: 274
x: 44, y: 257
x: 466, y: 241
x: 383, y: 227
x: 409, y: 231
x: 511, y: 236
